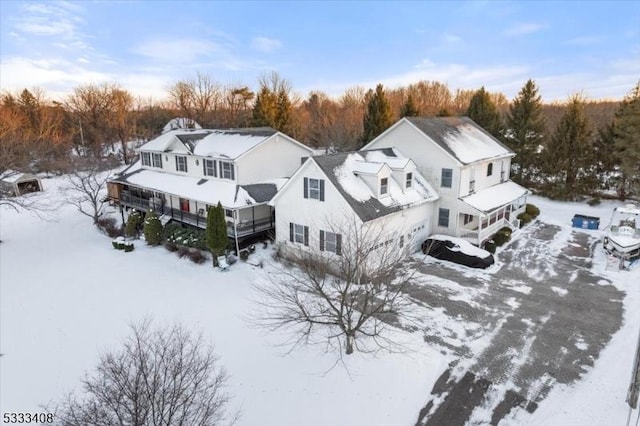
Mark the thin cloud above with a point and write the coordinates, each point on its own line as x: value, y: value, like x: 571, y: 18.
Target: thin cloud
x: 177, y: 50
x: 265, y: 44
x: 524, y: 28
x: 583, y: 41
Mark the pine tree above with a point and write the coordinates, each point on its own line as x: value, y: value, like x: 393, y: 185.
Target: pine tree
x: 484, y: 112
x: 216, y: 232
x: 265, y: 110
x: 568, y: 152
x: 377, y: 117
x: 152, y: 229
x: 627, y: 141
x: 132, y: 228
x: 409, y: 108
x: 604, y: 156
x: 283, y: 112
x: 525, y: 131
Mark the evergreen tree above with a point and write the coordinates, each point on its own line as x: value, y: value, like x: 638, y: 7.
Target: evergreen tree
x: 265, y: 109
x: 524, y: 133
x: 568, y: 151
x: 152, y: 229
x: 283, y: 112
x: 409, y: 108
x: 132, y: 228
x: 604, y: 156
x: 216, y: 232
x: 627, y: 141
x: 484, y: 112
x: 377, y: 118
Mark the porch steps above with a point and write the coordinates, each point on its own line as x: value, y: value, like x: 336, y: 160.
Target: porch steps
x: 164, y: 219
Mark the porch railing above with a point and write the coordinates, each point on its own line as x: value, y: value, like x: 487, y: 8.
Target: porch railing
x: 243, y: 228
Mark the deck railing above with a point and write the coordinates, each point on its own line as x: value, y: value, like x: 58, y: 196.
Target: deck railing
x: 243, y: 228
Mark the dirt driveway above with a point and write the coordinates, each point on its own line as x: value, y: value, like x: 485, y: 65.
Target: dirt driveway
x: 541, y: 319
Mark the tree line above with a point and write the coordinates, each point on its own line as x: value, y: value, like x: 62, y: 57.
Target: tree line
x: 565, y: 150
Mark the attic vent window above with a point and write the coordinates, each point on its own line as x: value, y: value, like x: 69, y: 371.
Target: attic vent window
x: 409, y: 180
x: 384, y: 186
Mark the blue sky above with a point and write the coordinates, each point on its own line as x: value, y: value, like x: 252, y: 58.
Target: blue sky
x: 144, y: 46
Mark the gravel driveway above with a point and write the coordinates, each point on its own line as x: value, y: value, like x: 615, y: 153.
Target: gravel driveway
x: 540, y: 320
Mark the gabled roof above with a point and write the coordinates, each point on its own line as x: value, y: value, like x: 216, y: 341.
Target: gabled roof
x: 340, y: 170
x: 13, y: 176
x: 461, y: 138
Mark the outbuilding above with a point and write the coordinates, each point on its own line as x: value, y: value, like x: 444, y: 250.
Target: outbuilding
x: 14, y: 183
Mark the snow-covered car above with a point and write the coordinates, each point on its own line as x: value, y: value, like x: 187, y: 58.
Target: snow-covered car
x: 457, y: 250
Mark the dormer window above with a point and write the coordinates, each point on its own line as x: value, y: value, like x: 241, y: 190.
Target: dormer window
x: 157, y: 160
x: 209, y: 167
x: 409, y: 180
x: 384, y: 186
x: 146, y: 159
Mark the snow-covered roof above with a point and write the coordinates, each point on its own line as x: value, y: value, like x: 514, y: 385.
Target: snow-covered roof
x: 343, y: 171
x: 208, y: 191
x: 180, y: 123
x: 496, y: 196
x: 231, y: 143
x: 462, y: 138
x: 164, y: 142
x: 219, y: 143
x: 393, y: 160
x: 13, y: 176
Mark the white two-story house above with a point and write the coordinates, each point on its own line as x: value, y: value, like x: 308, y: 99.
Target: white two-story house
x: 331, y: 200
x: 468, y: 167
x: 183, y: 171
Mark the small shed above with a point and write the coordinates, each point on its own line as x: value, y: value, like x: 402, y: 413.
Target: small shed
x: 14, y: 183
x: 585, y: 222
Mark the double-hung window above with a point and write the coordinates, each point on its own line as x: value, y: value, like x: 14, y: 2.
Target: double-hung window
x: 209, y: 167
x: 330, y: 241
x: 384, y: 186
x: 314, y: 188
x: 146, y: 158
x: 181, y: 163
x: 446, y: 180
x: 443, y: 217
x: 409, y: 180
x: 298, y: 234
x: 226, y: 170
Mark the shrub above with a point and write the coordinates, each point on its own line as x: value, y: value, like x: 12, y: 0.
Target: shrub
x: 170, y: 229
x: 109, y: 226
x: 152, y: 229
x: 244, y: 254
x: 524, y: 219
x: 490, y: 246
x: 197, y: 256
x: 532, y: 211
x: 502, y: 236
x: 121, y: 244
x: 172, y: 247
x: 594, y: 201
x: 182, y: 251
x: 134, y: 222
x: 194, y: 238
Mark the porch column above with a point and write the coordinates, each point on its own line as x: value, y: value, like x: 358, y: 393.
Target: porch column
x: 253, y: 218
x: 197, y: 214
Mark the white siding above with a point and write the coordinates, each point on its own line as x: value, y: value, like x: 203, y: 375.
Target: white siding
x: 276, y: 158
x: 335, y: 214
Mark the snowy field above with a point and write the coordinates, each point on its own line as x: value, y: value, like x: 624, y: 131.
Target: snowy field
x: 67, y: 296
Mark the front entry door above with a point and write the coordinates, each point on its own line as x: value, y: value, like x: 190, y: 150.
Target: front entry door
x: 184, y: 204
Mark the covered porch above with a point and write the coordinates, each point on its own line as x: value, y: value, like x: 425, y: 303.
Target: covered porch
x: 241, y: 221
x: 484, y: 213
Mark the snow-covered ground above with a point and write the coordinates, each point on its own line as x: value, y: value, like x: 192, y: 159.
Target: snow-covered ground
x: 66, y: 296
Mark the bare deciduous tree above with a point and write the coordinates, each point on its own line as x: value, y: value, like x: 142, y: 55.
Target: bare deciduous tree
x: 85, y: 186
x: 162, y: 376
x: 344, y: 299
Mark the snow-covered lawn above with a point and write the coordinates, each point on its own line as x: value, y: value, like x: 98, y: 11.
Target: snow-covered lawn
x: 67, y: 295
